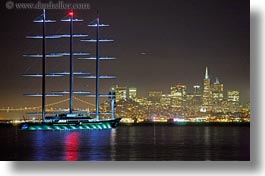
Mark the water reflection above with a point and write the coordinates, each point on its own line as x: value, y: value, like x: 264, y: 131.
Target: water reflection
x: 207, y: 144
x: 97, y: 146
x: 113, y: 144
x: 39, y: 146
x: 91, y: 145
x: 72, y: 146
x: 129, y: 143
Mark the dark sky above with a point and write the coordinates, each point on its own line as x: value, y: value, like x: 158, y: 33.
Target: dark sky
x: 180, y: 38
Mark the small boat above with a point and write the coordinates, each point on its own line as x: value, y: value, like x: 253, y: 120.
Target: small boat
x: 72, y: 120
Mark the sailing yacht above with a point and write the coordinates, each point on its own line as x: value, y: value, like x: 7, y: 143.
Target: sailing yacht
x: 72, y: 120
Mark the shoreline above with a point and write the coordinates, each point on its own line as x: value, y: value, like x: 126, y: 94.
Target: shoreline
x: 5, y: 123
x: 187, y: 124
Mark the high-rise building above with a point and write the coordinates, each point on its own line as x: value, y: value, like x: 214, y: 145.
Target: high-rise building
x: 121, y: 93
x: 155, y: 96
x: 132, y: 93
x: 233, y: 101
x: 218, y: 96
x: 194, y: 100
x: 218, y: 91
x: 197, y: 90
x: 178, y: 95
x: 165, y: 100
x: 207, y: 93
x: 179, y: 90
x: 233, y: 96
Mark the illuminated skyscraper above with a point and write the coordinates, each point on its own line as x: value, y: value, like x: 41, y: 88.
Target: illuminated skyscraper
x: 179, y: 91
x: 207, y: 93
x: 121, y: 93
x: 233, y: 100
x: 218, y: 96
x: 218, y: 91
x: 233, y: 96
x: 178, y: 95
x: 132, y: 93
x: 165, y: 99
x: 194, y: 100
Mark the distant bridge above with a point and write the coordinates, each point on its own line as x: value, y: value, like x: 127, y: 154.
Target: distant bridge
x: 47, y: 105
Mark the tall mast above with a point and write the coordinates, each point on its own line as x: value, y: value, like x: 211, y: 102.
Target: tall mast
x: 70, y: 18
x: 97, y: 69
x: 42, y: 19
x: 43, y: 65
x: 71, y: 79
x: 96, y: 24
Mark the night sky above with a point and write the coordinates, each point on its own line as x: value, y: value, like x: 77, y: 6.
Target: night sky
x: 157, y: 43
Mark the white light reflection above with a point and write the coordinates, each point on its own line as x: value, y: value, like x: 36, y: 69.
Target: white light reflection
x: 113, y: 144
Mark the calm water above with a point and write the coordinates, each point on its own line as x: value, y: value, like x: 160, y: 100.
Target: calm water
x: 153, y: 142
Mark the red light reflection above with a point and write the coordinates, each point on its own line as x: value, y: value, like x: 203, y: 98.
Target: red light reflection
x: 72, y: 146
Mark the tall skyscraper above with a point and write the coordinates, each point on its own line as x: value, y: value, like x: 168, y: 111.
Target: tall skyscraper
x: 233, y: 96
x: 207, y: 93
x: 195, y: 101
x: 178, y: 95
x: 121, y: 93
x: 165, y: 100
x: 218, y: 91
x: 233, y: 100
x: 218, y: 96
x: 132, y: 93
x: 179, y: 90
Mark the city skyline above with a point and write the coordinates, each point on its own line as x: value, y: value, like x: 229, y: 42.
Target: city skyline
x: 207, y: 104
x: 190, y: 88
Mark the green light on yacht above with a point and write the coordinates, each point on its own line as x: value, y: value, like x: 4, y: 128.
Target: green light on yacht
x: 56, y: 127
x: 98, y: 126
x: 86, y: 127
x: 104, y: 126
x: 32, y: 128
x: 93, y: 126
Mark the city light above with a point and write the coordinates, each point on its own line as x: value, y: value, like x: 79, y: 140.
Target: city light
x: 206, y: 104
